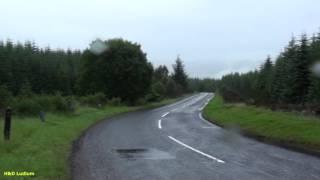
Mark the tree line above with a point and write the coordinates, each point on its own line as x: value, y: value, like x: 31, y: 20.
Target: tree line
x: 44, y: 71
x: 121, y: 71
x: 287, y: 82
x: 202, y: 84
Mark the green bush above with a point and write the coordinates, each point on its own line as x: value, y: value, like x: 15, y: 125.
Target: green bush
x: 26, y: 90
x: 93, y: 100
x: 156, y: 93
x: 33, y: 105
x: 71, y: 103
x: 115, y: 101
x: 141, y: 101
x: 153, y: 97
x: 45, y: 102
x: 60, y: 103
x: 26, y: 106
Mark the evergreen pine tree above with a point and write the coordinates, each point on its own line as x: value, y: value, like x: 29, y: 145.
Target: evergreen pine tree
x: 264, y: 82
x: 301, y: 74
x: 179, y: 75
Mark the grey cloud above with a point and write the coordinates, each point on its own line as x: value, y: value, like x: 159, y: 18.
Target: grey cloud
x: 212, y: 37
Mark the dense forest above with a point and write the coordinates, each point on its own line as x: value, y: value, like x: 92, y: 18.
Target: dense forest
x: 33, y: 78
x: 44, y: 71
x: 202, y: 84
x: 288, y: 82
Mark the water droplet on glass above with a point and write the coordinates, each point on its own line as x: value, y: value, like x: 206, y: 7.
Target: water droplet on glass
x: 97, y: 47
x: 316, y: 69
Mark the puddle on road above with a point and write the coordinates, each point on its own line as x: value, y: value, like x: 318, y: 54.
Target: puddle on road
x: 129, y: 151
x: 141, y: 153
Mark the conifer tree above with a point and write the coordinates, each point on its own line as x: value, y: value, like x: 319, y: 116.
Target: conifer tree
x: 301, y: 74
x: 179, y: 75
x: 264, y: 82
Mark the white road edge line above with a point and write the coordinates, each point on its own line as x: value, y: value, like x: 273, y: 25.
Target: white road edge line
x: 201, y: 108
x: 208, y: 123
x: 165, y: 114
x: 197, y: 151
x: 159, y: 124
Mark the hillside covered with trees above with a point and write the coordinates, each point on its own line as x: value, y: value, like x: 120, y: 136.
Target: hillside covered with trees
x: 287, y: 82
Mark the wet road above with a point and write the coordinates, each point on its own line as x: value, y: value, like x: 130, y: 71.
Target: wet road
x: 175, y: 142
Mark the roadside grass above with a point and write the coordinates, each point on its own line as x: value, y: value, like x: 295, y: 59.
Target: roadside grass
x: 44, y: 148
x: 284, y: 128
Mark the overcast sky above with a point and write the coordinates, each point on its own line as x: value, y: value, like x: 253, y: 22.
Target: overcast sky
x: 212, y: 37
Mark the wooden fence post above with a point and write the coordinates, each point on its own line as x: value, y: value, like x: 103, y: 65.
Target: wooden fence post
x: 7, y: 124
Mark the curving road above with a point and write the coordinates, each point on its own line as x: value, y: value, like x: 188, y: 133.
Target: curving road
x: 175, y: 142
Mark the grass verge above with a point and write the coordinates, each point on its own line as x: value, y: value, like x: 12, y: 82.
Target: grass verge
x: 286, y: 129
x: 44, y: 148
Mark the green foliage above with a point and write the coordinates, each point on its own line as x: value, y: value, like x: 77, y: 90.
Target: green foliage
x: 26, y: 106
x: 179, y: 75
x: 25, y: 90
x: 301, y: 74
x: 173, y: 89
x: 152, y: 96
x: 161, y: 73
x: 163, y: 85
x: 25, y: 67
x: 121, y: 71
x: 264, y: 82
x: 314, y: 90
x: 94, y: 99
x: 281, y: 91
x: 5, y: 96
x: 33, y: 105
x: 202, y: 85
x: 141, y: 101
x: 60, y: 103
x: 288, y: 83
x: 159, y: 90
x: 314, y: 95
x: 115, y: 101
x: 230, y: 87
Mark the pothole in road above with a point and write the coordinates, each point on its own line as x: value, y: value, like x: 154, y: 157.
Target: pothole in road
x: 142, y: 153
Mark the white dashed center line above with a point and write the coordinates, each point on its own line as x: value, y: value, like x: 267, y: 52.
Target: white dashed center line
x: 195, y: 150
x: 164, y: 115
x: 159, y: 124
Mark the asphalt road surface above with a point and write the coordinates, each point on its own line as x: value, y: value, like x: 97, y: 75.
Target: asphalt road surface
x: 175, y: 142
